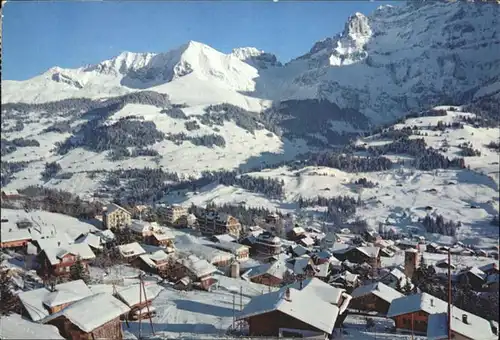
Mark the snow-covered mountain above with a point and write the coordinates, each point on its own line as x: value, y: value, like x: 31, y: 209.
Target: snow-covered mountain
x: 397, y: 59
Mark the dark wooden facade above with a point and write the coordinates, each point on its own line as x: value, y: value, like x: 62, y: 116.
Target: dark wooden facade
x: 269, y: 324
x: 475, y: 281
x: 179, y: 271
x: 370, y: 303
x: 63, y: 268
x: 416, y: 321
x: 152, y: 240
x: 109, y: 330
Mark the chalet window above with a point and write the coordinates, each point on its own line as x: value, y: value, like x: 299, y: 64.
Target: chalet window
x: 67, y: 269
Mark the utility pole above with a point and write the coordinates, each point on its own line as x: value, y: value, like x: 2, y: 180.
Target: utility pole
x: 449, y: 294
x: 234, y: 311
x: 140, y: 302
x: 147, y: 306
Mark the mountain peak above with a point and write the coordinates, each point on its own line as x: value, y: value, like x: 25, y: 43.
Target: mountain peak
x: 244, y: 53
x: 357, y: 26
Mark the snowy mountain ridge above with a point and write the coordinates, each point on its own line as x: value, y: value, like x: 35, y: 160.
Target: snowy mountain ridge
x: 397, y: 59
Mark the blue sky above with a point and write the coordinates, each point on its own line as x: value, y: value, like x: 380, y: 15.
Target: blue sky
x: 39, y: 35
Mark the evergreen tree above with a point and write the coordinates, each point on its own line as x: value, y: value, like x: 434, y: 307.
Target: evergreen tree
x: 8, y: 301
x: 123, y: 235
x: 407, y: 288
x: 78, y: 271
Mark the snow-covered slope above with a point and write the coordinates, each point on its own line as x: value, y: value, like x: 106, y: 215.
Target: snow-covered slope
x: 397, y: 59
x: 402, y: 195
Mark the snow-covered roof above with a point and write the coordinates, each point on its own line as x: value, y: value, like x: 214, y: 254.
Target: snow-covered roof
x: 54, y: 242
x: 417, y: 302
x: 80, y: 250
x: 230, y: 246
x: 492, y: 278
x: 132, y: 295
x: 300, y: 250
x: 276, y: 269
x: 92, y: 311
x: 322, y: 270
x: 298, y: 230
x: 378, y: 289
x: 197, y: 266
x: 16, y: 327
x: 34, y: 300
x: 300, y: 263
x: 14, y: 234
x: 477, y: 272
x: 106, y: 235
x: 303, y: 305
x: 10, y: 192
x: 475, y: 328
x: 90, y: 239
x: 224, y: 238
x: 131, y: 249
x: 321, y: 289
x: 308, y: 241
x: 157, y: 256
x: 445, y: 262
x: 371, y: 252
x: 398, y: 274
x: 205, y: 252
x: 163, y: 234
x: 489, y: 267
x: 340, y: 248
x: 67, y: 292
x: 112, y: 207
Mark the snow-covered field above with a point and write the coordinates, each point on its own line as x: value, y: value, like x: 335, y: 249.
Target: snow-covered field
x: 186, y: 159
x: 47, y: 223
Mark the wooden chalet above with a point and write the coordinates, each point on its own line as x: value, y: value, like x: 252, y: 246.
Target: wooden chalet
x: 463, y: 326
x: 269, y: 274
x: 296, y: 234
x: 39, y: 303
x: 370, y: 255
x: 198, y: 270
x: 375, y: 297
x: 411, y: 313
x: 131, y: 251
x: 158, y: 262
x: 94, y: 317
x: 161, y: 238
x: 58, y: 261
x: 289, y: 313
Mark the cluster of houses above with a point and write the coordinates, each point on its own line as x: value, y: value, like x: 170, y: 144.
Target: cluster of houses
x: 88, y: 312
x: 333, y: 273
